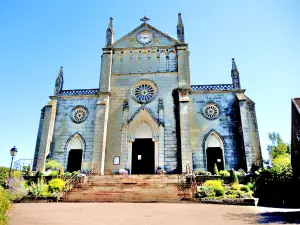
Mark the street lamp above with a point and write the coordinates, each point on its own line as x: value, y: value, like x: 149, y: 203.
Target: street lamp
x: 13, y: 153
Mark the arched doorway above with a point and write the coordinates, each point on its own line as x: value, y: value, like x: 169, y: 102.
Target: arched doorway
x: 214, y: 148
x: 143, y: 153
x: 75, y: 152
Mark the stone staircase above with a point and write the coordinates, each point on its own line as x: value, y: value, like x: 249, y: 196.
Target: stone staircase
x: 131, y: 188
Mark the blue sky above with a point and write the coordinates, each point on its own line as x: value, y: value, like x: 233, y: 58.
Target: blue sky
x: 37, y: 37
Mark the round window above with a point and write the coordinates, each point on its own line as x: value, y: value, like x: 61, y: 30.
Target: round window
x: 79, y: 114
x: 211, y: 111
x: 144, y: 91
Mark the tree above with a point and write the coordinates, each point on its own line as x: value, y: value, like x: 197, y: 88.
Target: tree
x: 277, y: 147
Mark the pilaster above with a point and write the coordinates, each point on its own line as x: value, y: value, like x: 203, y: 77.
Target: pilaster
x: 106, y: 66
x: 102, y: 109
x: 183, y: 67
x: 186, y: 153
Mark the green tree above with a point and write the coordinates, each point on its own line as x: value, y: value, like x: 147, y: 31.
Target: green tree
x: 277, y: 147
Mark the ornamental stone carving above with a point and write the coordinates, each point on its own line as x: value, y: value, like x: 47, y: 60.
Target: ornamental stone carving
x: 211, y: 111
x: 79, y: 114
x: 144, y: 91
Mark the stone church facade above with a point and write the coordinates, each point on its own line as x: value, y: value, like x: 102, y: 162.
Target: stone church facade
x: 146, y: 114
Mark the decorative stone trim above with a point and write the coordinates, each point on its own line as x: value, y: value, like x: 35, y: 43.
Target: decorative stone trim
x: 220, y: 87
x: 79, y: 92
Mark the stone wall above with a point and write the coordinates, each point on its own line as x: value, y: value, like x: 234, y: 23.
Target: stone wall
x: 65, y: 129
x: 121, y: 89
x: 226, y: 125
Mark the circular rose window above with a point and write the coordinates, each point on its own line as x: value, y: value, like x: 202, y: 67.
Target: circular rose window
x: 144, y: 91
x: 79, y: 114
x: 211, y: 111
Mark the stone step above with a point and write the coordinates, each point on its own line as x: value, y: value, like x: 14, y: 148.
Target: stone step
x: 131, y: 188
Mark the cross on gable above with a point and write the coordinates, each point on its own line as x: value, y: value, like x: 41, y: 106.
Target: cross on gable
x: 144, y: 19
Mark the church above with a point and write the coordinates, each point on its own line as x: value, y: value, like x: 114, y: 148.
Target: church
x: 147, y: 115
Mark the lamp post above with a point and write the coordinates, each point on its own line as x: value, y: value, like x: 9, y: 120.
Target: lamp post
x: 13, y: 153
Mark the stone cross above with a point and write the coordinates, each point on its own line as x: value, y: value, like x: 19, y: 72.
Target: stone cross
x: 144, y: 19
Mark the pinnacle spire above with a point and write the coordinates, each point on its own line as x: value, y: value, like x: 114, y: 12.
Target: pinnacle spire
x: 110, y: 24
x: 180, y: 29
x: 234, y: 67
x: 235, y: 75
x: 110, y: 33
x: 59, y: 82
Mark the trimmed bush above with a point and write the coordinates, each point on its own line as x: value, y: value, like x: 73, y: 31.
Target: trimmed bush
x: 216, y: 171
x: 54, y: 173
x: 56, y: 185
x: 224, y: 173
x: 217, y: 185
x: 245, y: 188
x: 202, y: 172
x: 52, y: 164
x: 206, y: 191
x: 233, y: 177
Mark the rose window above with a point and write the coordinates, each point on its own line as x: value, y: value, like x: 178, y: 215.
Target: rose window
x: 211, y: 111
x: 79, y: 114
x: 144, y: 91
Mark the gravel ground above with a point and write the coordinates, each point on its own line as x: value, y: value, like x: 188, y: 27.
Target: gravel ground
x: 146, y: 213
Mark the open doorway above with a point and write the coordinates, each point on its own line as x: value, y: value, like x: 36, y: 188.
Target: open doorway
x: 74, y: 160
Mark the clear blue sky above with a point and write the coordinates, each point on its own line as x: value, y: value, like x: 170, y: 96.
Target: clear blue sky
x: 37, y: 37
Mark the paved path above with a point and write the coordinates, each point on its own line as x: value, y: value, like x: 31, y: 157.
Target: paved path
x: 146, y: 213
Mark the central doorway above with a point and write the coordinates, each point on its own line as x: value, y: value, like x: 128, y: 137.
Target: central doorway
x: 143, y: 156
x: 214, y: 156
x: 74, y: 160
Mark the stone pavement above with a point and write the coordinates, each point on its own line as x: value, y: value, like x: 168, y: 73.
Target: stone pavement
x: 146, y: 213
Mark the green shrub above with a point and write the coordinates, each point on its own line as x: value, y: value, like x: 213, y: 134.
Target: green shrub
x: 39, y: 173
x: 202, y: 172
x: 38, y: 189
x: 206, y: 191
x: 241, y: 172
x: 281, y: 165
x: 75, y: 172
x: 216, y: 171
x: 5, y: 202
x: 245, y: 188
x: 52, y: 164
x: 61, y: 171
x: 251, y: 185
x: 233, y: 177
x: 236, y: 187
x: 4, y: 172
x: 54, y: 173
x: 56, y: 185
x: 67, y: 174
x: 207, y: 173
x: 224, y: 173
x: 231, y: 196
x: 217, y: 185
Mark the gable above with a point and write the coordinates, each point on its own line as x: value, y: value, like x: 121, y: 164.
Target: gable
x: 159, y: 38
